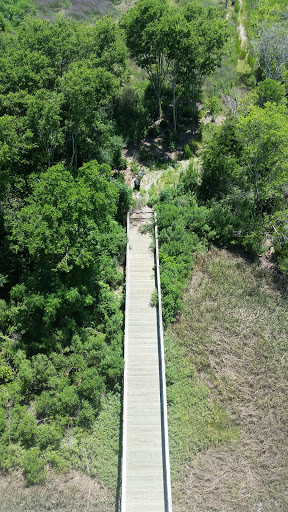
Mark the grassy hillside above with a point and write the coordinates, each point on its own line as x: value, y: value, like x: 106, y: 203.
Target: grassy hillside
x: 82, y: 9
x: 233, y: 334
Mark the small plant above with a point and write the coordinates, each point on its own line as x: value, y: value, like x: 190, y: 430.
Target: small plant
x: 213, y: 106
x: 134, y: 167
x: 172, y: 146
x: 193, y: 145
x: 153, y: 131
x: 122, y: 164
x: 154, y: 299
x: 187, y: 152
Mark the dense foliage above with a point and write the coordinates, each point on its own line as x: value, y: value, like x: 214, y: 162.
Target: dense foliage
x: 183, y: 231
x: 70, y: 99
x: 62, y: 234
x: 239, y: 197
x: 174, y: 45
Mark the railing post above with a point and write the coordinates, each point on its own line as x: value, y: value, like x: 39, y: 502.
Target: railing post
x: 124, y: 446
x: 168, y: 504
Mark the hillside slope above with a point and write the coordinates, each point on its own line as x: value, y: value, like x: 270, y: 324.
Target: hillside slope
x: 233, y: 332
x: 83, y: 10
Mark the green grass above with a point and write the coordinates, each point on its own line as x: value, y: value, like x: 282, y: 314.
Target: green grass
x: 195, y: 421
x: 161, y: 178
x: 100, y: 450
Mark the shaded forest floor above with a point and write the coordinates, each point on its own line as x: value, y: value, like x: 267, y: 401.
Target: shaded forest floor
x: 233, y: 331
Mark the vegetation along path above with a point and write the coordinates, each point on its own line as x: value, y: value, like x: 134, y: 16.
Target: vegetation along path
x: 144, y: 482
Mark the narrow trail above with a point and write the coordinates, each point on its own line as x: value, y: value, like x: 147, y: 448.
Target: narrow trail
x: 241, y: 28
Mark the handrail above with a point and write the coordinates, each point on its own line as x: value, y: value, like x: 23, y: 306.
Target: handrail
x: 168, y: 497
x: 124, y: 446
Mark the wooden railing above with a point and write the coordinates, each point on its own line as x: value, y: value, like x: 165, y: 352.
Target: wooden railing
x: 168, y: 495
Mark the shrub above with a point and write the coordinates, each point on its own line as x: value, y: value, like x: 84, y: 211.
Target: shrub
x: 49, y: 435
x: 153, y: 131
x: 34, y: 466
x: 193, y: 145
x: 122, y: 164
x: 183, y: 230
x: 270, y: 90
x: 134, y: 167
x: 187, y: 152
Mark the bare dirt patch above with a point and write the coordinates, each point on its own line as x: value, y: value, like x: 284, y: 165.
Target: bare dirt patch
x: 72, y: 492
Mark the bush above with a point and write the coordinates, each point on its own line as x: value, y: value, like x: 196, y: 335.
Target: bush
x: 34, y: 466
x: 49, y: 435
x: 122, y: 164
x: 153, y: 131
x: 193, y: 145
x: 213, y: 106
x: 281, y: 253
x: 187, y: 152
x: 270, y: 90
x: 183, y: 230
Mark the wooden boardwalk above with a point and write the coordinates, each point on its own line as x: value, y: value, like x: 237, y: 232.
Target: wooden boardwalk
x: 143, y: 473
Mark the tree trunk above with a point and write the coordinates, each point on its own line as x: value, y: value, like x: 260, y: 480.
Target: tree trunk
x: 159, y: 100
x: 73, y: 162
x: 159, y: 85
x: 174, y: 100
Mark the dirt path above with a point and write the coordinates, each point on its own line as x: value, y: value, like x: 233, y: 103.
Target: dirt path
x: 241, y: 28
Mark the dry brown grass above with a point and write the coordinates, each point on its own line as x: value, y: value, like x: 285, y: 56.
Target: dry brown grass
x: 71, y: 492
x: 234, y: 329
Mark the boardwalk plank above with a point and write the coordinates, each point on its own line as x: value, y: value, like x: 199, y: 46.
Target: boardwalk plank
x: 144, y: 482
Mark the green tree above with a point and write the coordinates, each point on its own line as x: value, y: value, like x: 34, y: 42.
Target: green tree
x: 205, y: 46
x: 177, y: 35
x: 44, y: 120
x: 88, y: 94
x: 68, y: 238
x: 182, y: 44
x: 104, y: 42
x: 59, y: 42
x: 221, y: 170
x: 264, y: 155
x: 146, y: 40
x: 15, y: 153
x: 270, y: 90
x: 12, y: 12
